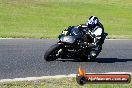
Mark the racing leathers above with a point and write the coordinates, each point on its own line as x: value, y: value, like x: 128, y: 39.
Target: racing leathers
x: 97, y: 35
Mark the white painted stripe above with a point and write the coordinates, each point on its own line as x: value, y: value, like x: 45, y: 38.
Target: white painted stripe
x: 55, y: 77
x: 37, y: 78
x: 13, y: 38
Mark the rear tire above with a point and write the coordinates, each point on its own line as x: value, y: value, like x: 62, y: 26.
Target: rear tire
x: 51, y: 53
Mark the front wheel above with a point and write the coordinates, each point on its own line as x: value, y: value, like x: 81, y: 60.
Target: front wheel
x: 52, y: 53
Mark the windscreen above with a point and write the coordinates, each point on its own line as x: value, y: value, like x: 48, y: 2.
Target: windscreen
x: 75, y: 31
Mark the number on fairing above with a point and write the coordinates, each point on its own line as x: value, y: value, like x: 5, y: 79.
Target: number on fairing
x: 64, y: 32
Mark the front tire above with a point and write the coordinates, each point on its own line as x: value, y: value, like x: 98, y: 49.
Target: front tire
x: 51, y: 53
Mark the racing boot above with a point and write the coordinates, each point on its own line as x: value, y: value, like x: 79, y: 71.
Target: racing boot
x: 93, y: 54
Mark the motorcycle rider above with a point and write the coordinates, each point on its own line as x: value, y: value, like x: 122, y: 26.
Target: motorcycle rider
x: 95, y: 29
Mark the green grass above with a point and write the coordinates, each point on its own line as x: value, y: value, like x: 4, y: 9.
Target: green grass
x: 47, y: 18
x: 59, y: 83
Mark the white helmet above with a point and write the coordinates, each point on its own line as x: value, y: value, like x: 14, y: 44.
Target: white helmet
x: 92, y: 21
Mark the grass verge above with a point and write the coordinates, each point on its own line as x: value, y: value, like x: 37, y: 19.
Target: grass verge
x: 59, y: 83
x: 47, y: 18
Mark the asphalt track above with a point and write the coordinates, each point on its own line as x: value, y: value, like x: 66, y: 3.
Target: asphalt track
x: 20, y: 58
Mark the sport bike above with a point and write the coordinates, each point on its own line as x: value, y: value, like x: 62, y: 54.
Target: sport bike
x: 73, y: 43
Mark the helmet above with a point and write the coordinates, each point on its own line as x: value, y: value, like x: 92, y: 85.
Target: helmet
x: 92, y: 21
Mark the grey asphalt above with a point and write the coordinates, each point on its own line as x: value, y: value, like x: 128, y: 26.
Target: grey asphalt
x: 21, y: 58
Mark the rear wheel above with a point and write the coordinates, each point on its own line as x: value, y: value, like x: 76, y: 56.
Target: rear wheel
x: 52, y: 53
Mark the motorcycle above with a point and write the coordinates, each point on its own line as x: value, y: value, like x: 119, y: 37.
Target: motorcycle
x: 73, y: 44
